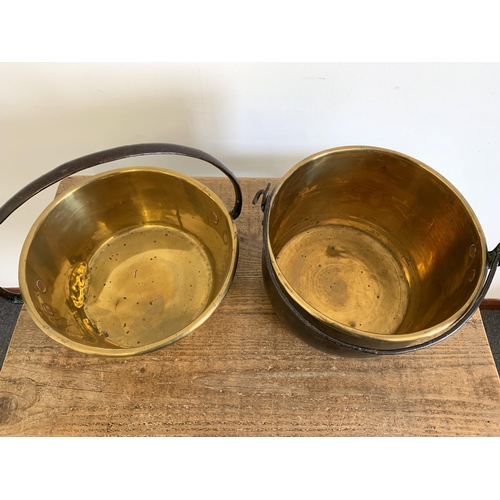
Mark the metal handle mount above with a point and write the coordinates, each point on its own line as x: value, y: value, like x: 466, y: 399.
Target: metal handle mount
x: 265, y: 197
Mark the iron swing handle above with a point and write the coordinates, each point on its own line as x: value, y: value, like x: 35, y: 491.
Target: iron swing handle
x: 119, y: 153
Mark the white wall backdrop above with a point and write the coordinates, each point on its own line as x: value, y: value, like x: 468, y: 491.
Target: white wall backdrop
x: 259, y: 119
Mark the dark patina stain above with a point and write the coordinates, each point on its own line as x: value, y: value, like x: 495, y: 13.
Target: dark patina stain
x: 331, y: 251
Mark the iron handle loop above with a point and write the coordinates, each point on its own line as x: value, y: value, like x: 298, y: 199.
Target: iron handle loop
x: 74, y: 166
x: 265, y: 197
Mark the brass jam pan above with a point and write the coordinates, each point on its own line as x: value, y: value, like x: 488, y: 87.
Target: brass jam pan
x: 129, y: 260
x: 370, y: 250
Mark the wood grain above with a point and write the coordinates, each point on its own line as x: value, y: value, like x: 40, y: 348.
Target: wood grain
x: 244, y: 374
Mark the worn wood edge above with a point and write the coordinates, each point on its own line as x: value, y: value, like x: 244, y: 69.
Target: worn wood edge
x: 490, y: 305
x: 466, y: 424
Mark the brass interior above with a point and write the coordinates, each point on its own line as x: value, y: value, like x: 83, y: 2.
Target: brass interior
x: 128, y: 261
x: 375, y: 243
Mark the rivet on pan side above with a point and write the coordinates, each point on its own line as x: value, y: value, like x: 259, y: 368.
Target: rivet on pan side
x: 472, y: 275
x: 224, y: 237
x: 47, y: 309
x: 41, y: 286
x: 214, y: 217
x: 472, y: 251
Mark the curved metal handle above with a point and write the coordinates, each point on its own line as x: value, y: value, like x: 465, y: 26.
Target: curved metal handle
x: 74, y: 166
x: 265, y: 197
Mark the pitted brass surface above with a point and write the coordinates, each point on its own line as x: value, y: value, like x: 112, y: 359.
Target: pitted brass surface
x: 348, y: 275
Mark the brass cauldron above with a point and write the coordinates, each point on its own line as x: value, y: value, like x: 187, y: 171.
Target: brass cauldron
x: 371, y: 250
x: 129, y: 260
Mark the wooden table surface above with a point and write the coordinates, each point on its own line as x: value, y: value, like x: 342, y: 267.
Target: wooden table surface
x: 244, y: 374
